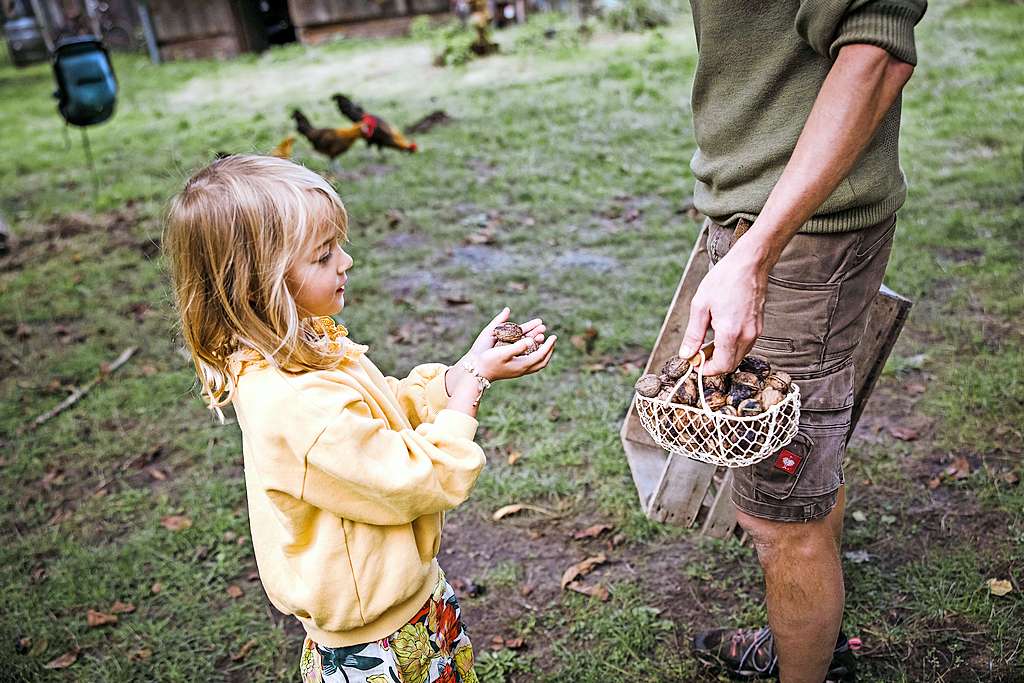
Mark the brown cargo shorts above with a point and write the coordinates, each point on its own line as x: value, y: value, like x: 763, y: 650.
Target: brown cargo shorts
x: 815, y: 313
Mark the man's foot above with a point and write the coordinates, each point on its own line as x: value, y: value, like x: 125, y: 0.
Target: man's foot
x: 750, y: 653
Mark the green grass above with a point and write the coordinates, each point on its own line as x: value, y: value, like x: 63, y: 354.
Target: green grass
x: 558, y: 148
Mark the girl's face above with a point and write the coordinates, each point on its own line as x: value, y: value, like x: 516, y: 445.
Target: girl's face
x: 317, y: 278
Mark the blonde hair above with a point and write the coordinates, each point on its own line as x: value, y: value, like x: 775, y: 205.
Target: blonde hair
x: 231, y: 236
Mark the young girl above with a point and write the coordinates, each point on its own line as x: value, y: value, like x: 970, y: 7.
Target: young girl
x: 348, y: 472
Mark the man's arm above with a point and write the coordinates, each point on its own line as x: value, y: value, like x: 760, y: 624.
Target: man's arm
x: 862, y: 85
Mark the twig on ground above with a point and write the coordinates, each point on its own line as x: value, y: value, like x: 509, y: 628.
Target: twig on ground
x: 77, y: 395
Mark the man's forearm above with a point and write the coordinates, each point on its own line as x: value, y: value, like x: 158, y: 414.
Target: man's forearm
x: 860, y: 88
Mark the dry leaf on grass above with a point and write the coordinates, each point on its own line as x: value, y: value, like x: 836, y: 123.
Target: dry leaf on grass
x: 960, y: 469
x: 122, y: 607
x: 999, y: 587
x: 176, y: 522
x: 585, y: 341
x: 516, y: 508
x: 592, y: 531
x: 94, y: 618
x: 500, y: 642
x: 904, y: 433
x: 598, y: 591
x: 582, y: 569
x: 156, y: 588
x: 141, y: 655
x: 235, y: 592
x: 243, y: 651
x: 64, y: 661
x: 513, y: 457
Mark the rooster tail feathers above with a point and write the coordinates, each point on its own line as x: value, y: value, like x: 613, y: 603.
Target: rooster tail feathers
x: 348, y: 108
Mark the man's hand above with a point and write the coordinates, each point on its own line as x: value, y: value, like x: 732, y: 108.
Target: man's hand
x: 730, y: 299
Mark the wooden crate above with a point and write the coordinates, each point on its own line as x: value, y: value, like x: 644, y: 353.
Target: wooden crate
x: 677, y: 490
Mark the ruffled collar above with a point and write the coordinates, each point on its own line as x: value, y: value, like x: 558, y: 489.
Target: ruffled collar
x: 322, y: 332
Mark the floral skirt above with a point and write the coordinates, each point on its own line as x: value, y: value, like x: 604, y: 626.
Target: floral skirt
x: 432, y: 647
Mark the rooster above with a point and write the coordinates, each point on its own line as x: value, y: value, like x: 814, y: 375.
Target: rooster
x: 331, y: 142
x: 376, y: 130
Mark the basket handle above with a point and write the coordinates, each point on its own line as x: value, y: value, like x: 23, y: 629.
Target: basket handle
x: 697, y: 365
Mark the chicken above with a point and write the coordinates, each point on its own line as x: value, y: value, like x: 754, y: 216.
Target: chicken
x: 331, y: 142
x: 376, y: 130
x: 283, y: 150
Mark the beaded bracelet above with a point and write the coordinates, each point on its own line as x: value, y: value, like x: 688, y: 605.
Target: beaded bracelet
x: 484, y: 383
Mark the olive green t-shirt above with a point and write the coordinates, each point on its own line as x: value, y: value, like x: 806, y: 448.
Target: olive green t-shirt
x: 760, y: 67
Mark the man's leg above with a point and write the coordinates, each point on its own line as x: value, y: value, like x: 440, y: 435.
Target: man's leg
x: 804, y: 585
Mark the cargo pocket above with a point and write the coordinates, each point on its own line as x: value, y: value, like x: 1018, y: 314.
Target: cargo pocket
x: 776, y: 477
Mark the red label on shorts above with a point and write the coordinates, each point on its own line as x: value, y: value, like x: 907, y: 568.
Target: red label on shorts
x: 787, y: 461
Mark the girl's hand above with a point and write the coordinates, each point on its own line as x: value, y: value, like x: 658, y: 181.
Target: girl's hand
x: 504, y: 362
x: 485, y: 340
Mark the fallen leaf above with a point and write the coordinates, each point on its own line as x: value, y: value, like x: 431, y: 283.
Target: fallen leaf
x: 598, y: 591
x: 999, y: 587
x: 631, y: 215
x: 141, y: 655
x: 582, y: 569
x: 229, y: 536
x: 525, y: 589
x: 513, y: 457
x: 22, y: 332
x: 39, y: 574
x: 38, y: 648
x: 156, y: 473
x: 252, y: 576
x: 457, y: 300
x: 394, y: 217
x: 554, y: 413
x: 94, y: 618
x: 122, y: 607
x: 243, y: 651
x: 176, y: 522
x: 64, y: 661
x: 915, y: 388
x: 484, y: 236
x: 516, y: 508
x: 517, y: 286
x: 148, y: 370
x: 888, y: 519
x: 156, y: 588
x: 235, y: 592
x: 1011, y: 478
x: 514, y: 643
x: 23, y: 645
x: 592, y: 531
x: 585, y: 340
x: 960, y: 468
x: 903, y: 433
x: 934, y: 483
x: 859, y: 516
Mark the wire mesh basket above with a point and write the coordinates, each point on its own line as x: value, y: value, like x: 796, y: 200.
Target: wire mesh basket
x: 716, y: 438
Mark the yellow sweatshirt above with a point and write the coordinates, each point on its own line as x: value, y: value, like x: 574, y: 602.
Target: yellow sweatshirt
x: 348, y: 474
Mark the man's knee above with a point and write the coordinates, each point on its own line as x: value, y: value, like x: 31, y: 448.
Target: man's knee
x: 797, y: 542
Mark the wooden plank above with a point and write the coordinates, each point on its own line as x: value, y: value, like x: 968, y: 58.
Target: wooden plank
x: 680, y: 492
x: 672, y: 328
x: 887, y: 316
x: 680, y: 488
x: 721, y: 519
x: 646, y: 464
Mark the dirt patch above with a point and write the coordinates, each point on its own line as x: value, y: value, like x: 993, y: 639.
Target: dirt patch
x: 43, y: 241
